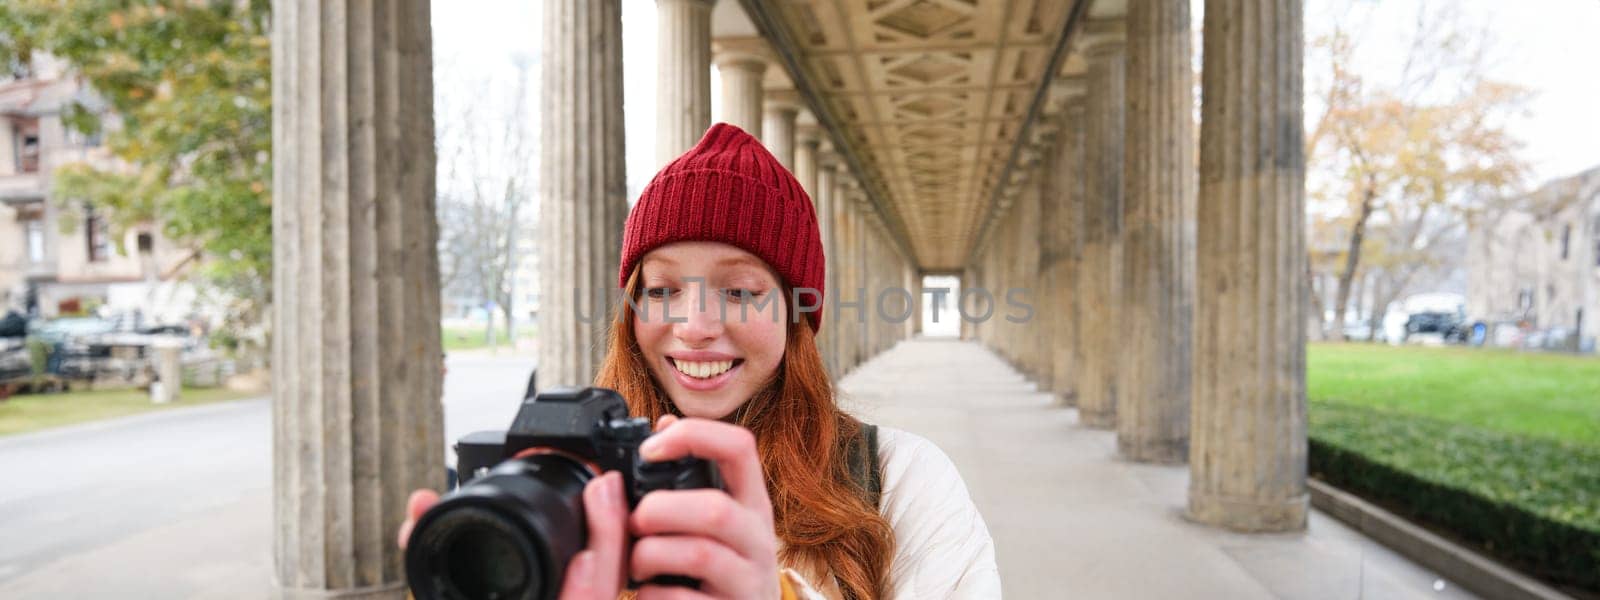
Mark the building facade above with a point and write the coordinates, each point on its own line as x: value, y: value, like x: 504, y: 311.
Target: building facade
x: 1534, y: 268
x: 56, y: 257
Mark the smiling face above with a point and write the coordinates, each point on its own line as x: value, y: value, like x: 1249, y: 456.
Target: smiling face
x: 712, y: 324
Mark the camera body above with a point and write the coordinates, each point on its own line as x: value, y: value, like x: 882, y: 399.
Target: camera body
x: 589, y: 425
x: 517, y: 516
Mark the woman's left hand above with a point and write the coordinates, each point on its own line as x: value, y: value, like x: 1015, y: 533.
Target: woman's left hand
x: 726, y: 540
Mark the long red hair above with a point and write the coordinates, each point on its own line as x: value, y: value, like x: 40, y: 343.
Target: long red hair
x: 820, y: 513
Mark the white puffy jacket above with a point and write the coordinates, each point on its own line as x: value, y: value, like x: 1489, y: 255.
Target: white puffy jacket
x: 942, y: 547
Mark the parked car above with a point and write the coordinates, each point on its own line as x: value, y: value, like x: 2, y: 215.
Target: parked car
x: 1451, y: 327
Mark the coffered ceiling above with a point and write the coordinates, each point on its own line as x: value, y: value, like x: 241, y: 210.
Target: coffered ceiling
x: 930, y: 94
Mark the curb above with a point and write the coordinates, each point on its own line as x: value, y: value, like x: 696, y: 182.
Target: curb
x: 1465, y: 567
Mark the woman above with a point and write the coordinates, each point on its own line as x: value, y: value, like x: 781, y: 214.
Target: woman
x: 714, y: 349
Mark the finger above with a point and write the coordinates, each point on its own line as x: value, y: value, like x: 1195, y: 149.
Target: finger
x: 710, y: 562
x: 706, y: 513
x: 582, y: 583
x: 671, y: 592
x: 665, y: 421
x: 732, y: 447
x: 607, y: 515
x: 419, y: 502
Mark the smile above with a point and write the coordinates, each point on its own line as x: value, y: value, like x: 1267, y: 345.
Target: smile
x: 702, y: 369
x: 704, y: 375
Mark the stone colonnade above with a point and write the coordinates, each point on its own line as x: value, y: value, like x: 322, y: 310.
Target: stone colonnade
x: 1168, y: 293
x: 1165, y: 300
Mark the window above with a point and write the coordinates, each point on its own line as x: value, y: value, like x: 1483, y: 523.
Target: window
x: 99, y: 239
x: 27, y: 145
x: 35, y: 241
x: 1566, y: 240
x: 1596, y: 230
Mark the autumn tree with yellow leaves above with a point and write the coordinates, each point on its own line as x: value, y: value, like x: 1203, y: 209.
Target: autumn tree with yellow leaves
x: 1398, y: 168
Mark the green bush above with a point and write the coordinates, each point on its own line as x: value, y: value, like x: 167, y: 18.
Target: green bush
x: 1530, y: 500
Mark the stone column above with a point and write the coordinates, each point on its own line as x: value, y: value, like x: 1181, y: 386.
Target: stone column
x: 844, y: 215
x: 742, y: 69
x: 914, y: 284
x: 1101, y: 275
x: 806, y: 145
x: 582, y: 186
x: 1064, y: 243
x: 969, y: 280
x: 777, y: 128
x: 1247, y: 458
x: 683, y: 75
x: 356, y: 378
x: 825, y: 199
x: 1158, y: 242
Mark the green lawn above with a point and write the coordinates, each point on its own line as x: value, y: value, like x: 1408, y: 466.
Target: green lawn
x: 473, y: 338
x: 1499, y: 448
x: 1551, y: 395
x: 32, y: 412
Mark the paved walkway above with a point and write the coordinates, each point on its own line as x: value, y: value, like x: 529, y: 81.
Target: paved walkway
x: 1070, y: 520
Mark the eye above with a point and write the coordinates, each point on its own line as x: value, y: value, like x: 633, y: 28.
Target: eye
x: 658, y: 292
x: 742, y: 294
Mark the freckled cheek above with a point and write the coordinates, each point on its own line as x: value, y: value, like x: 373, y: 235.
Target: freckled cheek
x: 649, y: 336
x: 762, y: 344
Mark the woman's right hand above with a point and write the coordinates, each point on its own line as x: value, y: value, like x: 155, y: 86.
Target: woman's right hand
x: 595, y: 573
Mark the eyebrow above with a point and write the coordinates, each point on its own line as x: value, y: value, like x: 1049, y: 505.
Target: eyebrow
x: 739, y: 260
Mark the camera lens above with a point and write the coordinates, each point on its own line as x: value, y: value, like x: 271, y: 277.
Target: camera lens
x: 505, y: 536
x: 485, y: 556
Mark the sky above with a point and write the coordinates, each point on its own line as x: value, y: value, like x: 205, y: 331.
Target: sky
x: 1549, y: 46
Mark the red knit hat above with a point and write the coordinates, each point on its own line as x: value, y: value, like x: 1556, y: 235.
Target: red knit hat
x: 728, y: 188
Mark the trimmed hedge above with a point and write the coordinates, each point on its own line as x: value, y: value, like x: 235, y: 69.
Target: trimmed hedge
x: 1532, y: 501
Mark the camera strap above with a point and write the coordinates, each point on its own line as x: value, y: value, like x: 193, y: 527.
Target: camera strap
x: 863, y: 462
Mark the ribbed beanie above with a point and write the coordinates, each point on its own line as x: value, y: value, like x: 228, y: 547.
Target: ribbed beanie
x: 728, y: 188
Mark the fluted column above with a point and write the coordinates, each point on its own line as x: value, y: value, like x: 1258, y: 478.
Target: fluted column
x: 914, y: 285
x: 1247, y: 458
x: 806, y: 145
x: 683, y: 75
x: 1158, y: 241
x: 1101, y: 274
x: 777, y: 128
x: 969, y: 280
x: 1063, y: 246
x: 844, y: 215
x: 582, y: 185
x: 356, y: 383
x: 741, y: 69
x: 825, y: 199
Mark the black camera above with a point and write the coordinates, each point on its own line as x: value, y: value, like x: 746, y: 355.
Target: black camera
x: 517, y: 517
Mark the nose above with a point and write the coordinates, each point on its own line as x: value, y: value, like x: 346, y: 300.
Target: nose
x: 702, y: 322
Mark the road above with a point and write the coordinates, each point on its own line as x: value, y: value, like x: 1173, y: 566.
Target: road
x: 176, y: 504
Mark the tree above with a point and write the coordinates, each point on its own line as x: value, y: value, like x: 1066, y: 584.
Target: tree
x: 486, y: 189
x: 188, y: 86
x: 1399, y: 168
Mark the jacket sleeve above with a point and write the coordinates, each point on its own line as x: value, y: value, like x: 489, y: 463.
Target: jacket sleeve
x: 942, y: 545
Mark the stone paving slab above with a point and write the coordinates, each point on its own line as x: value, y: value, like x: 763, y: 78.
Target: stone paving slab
x: 1072, y: 520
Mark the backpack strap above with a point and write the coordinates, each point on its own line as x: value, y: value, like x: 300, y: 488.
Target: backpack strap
x: 862, y: 455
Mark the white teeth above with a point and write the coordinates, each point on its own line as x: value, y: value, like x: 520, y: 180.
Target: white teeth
x: 702, y: 370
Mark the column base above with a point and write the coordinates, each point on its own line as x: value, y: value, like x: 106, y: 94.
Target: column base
x: 390, y: 591
x: 1097, y: 420
x: 1066, y: 399
x: 1249, y: 515
x: 1160, y: 452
